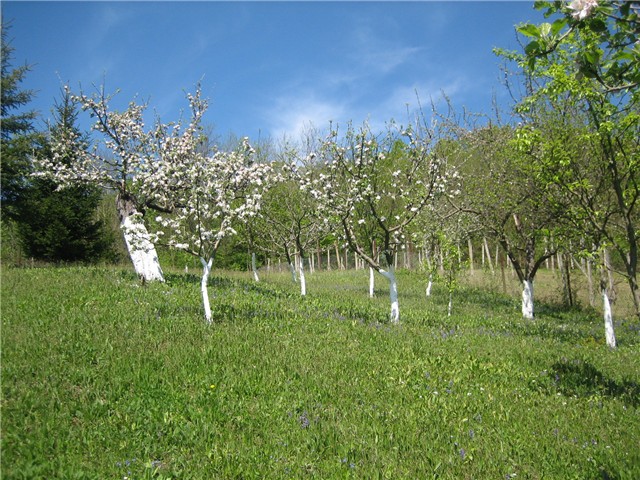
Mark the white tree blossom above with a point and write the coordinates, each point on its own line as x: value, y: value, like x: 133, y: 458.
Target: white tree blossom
x: 124, y: 159
x: 206, y: 195
x: 581, y: 9
x: 387, y: 180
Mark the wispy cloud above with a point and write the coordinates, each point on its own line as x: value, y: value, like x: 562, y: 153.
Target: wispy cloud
x: 291, y: 116
x: 337, y: 92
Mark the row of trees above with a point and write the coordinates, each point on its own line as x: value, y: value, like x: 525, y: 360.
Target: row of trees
x: 561, y: 178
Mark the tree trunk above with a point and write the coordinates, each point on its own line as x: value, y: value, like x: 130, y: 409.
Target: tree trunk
x: 338, y: 258
x: 527, y: 299
x: 503, y: 260
x: 590, y: 282
x: 292, y: 269
x: 429, y: 285
x: 206, y: 270
x: 470, y: 245
x: 611, y: 286
x: 450, y: 307
x: 486, y: 247
x: 303, y: 282
x: 141, y: 250
x: 393, y: 293
x: 254, y: 269
x: 564, y: 263
x: 608, y: 320
x: 372, y: 282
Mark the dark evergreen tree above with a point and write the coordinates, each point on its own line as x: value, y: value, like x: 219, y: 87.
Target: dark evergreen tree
x: 53, y: 224
x: 59, y: 224
x: 17, y: 137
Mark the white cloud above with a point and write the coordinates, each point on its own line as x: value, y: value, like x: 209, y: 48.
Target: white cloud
x: 291, y: 116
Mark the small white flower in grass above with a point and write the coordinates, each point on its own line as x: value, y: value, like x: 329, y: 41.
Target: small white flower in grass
x: 361, y: 221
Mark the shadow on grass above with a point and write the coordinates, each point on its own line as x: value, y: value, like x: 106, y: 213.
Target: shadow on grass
x: 582, y: 379
x: 224, y: 283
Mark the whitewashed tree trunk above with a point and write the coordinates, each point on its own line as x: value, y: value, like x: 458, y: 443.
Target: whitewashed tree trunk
x: 429, y: 285
x: 206, y: 270
x: 608, y: 320
x: 254, y: 269
x: 527, y: 299
x: 141, y: 250
x: 450, y: 307
x: 372, y: 282
x: 393, y: 293
x: 303, y: 282
x: 292, y: 269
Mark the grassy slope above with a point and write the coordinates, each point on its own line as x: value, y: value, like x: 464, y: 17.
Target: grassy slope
x: 103, y: 378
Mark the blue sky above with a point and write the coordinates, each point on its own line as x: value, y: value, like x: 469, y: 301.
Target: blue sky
x: 269, y: 68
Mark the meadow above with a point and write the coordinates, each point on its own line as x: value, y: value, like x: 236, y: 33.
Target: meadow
x: 106, y: 378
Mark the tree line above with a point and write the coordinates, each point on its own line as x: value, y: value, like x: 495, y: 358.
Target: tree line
x: 555, y: 177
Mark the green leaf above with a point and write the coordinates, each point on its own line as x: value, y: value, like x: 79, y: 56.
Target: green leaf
x: 558, y: 25
x: 545, y: 29
x: 592, y: 56
x: 532, y: 49
x: 529, y: 30
x: 597, y: 25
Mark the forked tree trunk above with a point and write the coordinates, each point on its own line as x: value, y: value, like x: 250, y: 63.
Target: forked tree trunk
x: 206, y: 270
x: 141, y: 250
x: 527, y: 299
x: 393, y: 293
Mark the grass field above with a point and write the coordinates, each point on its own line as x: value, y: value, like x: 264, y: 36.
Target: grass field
x: 105, y: 378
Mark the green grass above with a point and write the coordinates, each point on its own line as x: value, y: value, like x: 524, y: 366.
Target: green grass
x: 104, y: 378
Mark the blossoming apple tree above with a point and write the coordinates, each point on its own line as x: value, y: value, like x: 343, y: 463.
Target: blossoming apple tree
x: 204, y: 197
x: 387, y: 179
x: 124, y: 160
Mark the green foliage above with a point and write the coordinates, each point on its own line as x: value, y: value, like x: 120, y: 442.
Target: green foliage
x: 59, y: 225
x: 583, y: 73
x: 105, y: 378
x: 16, y: 127
x: 53, y: 224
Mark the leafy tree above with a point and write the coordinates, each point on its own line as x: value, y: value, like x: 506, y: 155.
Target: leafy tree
x: 502, y: 186
x: 17, y: 135
x: 387, y: 179
x: 60, y: 224
x: 135, y: 154
x: 53, y: 225
x: 204, y: 197
x: 589, y: 57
